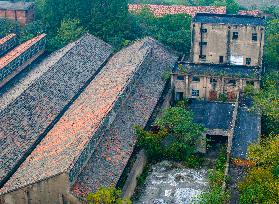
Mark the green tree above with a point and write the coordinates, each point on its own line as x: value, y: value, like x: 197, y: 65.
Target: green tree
x: 8, y: 26
x: 261, y: 184
x: 107, y: 196
x: 69, y: 31
x: 31, y: 30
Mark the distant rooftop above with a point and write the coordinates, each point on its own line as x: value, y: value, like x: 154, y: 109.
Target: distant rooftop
x: 8, y: 5
x: 161, y: 10
x: 229, y: 19
x: 220, y: 69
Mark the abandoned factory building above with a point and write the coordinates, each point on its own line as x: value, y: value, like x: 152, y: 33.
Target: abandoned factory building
x: 226, y: 56
x: 68, y: 127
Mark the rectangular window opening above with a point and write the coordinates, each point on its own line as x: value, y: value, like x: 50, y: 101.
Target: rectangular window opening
x: 248, y: 61
x: 195, y: 92
x: 221, y: 59
x: 235, y: 36
x: 252, y: 83
x: 232, y: 82
x: 254, y: 37
x: 180, y: 77
x: 195, y: 79
x: 204, y: 30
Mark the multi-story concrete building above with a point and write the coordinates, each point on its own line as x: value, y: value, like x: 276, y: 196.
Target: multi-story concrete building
x: 226, y: 56
x: 23, y: 12
x: 227, y: 39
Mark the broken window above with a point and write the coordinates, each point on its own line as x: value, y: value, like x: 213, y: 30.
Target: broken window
x: 203, y: 30
x: 179, y: 96
x: 180, y: 77
x: 254, y: 37
x: 232, y: 82
x: 195, y: 79
x: 195, y: 92
x: 221, y: 59
x: 252, y: 83
x: 248, y: 61
x: 235, y: 36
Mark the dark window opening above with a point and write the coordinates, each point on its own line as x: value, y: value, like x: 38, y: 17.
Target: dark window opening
x: 212, y: 80
x: 248, y: 61
x: 195, y: 79
x: 202, y: 57
x: 204, y: 30
x: 180, y: 77
x: 235, y: 36
x: 203, y: 43
x: 179, y: 96
x: 195, y: 92
x: 232, y: 82
x: 221, y: 59
x: 254, y: 37
x: 250, y: 83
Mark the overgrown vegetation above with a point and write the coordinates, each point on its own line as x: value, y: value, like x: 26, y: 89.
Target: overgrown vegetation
x: 261, y: 184
x: 216, y: 194
x: 174, y: 137
x: 107, y: 196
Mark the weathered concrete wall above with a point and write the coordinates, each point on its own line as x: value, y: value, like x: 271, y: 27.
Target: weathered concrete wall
x: 131, y: 182
x: 208, y: 88
x: 51, y: 191
x: 217, y: 41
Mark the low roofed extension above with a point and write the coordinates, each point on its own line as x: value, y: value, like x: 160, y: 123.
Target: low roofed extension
x: 72, y: 140
x: 21, y: 5
x: 234, y: 71
x: 26, y: 120
x: 213, y: 115
x: 229, y: 19
x: 110, y: 158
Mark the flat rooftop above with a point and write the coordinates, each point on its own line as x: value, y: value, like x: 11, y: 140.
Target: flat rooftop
x: 229, y: 19
x: 21, y: 5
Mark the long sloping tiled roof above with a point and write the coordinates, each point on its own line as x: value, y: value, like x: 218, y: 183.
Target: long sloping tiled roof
x: 234, y: 71
x: 21, y: 5
x: 108, y: 162
x: 13, y: 54
x: 161, y: 10
x: 250, y: 12
x: 213, y: 115
x: 26, y: 120
x: 228, y: 19
x: 6, y: 38
x: 60, y: 149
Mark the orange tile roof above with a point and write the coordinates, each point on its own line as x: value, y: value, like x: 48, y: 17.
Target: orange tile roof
x: 5, y: 39
x: 9, y: 57
x: 250, y: 12
x: 62, y: 146
x: 161, y: 10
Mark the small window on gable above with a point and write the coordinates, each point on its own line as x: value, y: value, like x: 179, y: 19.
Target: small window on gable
x: 248, y: 61
x: 221, y: 59
x: 254, y: 37
x: 195, y: 79
x: 232, y: 82
x: 180, y: 77
x: 195, y: 92
x: 235, y: 36
x: 250, y: 83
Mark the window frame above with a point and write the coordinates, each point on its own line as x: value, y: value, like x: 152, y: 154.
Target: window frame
x: 221, y: 57
x: 235, y: 36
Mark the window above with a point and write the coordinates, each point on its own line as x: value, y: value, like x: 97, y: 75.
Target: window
x: 203, y: 30
x: 254, y: 37
x: 202, y: 57
x: 250, y: 83
x: 203, y: 43
x: 180, y: 77
x: 248, y: 61
x: 195, y: 93
x: 221, y: 59
x: 232, y: 82
x: 195, y: 79
x: 213, y: 81
x: 235, y: 36
x: 179, y: 96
